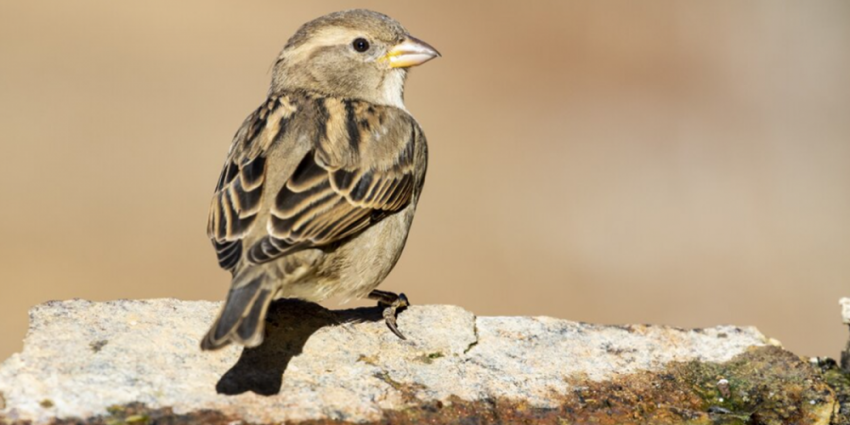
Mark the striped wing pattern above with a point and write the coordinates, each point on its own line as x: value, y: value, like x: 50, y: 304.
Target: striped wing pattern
x: 359, y: 169
x: 238, y: 194
x: 347, y: 182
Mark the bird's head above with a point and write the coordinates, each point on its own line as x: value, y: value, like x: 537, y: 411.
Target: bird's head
x: 353, y: 54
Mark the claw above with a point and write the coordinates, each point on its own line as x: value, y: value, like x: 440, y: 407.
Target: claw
x: 389, y: 317
x: 392, y: 304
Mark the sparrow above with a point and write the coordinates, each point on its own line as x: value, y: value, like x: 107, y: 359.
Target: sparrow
x: 320, y: 185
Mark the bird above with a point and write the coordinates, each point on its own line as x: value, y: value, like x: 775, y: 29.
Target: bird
x: 321, y: 182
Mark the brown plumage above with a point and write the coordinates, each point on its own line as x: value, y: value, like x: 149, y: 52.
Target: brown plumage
x: 319, y: 188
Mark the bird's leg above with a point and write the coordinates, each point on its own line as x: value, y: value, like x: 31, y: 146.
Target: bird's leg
x: 392, y: 303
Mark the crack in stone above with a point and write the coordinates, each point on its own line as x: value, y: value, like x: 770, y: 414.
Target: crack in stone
x: 475, y: 332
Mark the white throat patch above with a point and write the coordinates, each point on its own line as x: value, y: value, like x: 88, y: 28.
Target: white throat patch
x: 392, y: 89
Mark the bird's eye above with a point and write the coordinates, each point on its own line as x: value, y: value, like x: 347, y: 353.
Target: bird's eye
x: 361, y: 45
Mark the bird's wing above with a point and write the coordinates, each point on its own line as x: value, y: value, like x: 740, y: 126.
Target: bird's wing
x: 238, y: 195
x: 361, y: 168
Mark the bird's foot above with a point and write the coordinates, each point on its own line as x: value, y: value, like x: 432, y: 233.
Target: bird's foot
x: 393, y: 304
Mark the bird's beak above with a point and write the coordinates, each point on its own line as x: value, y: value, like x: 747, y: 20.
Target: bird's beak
x: 410, y: 52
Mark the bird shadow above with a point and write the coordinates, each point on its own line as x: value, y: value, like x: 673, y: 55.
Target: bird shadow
x: 289, y: 324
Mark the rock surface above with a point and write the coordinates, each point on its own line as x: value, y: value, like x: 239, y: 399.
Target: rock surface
x: 139, y: 361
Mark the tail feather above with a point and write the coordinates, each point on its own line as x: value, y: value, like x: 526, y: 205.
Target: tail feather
x: 243, y: 316
x: 248, y: 328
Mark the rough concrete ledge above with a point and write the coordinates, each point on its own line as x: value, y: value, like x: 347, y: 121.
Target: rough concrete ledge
x: 139, y: 362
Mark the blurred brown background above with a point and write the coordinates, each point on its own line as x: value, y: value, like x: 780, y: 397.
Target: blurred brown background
x: 685, y: 163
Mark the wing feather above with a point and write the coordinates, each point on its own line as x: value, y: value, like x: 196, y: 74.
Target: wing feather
x: 237, y: 200
x: 359, y: 171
